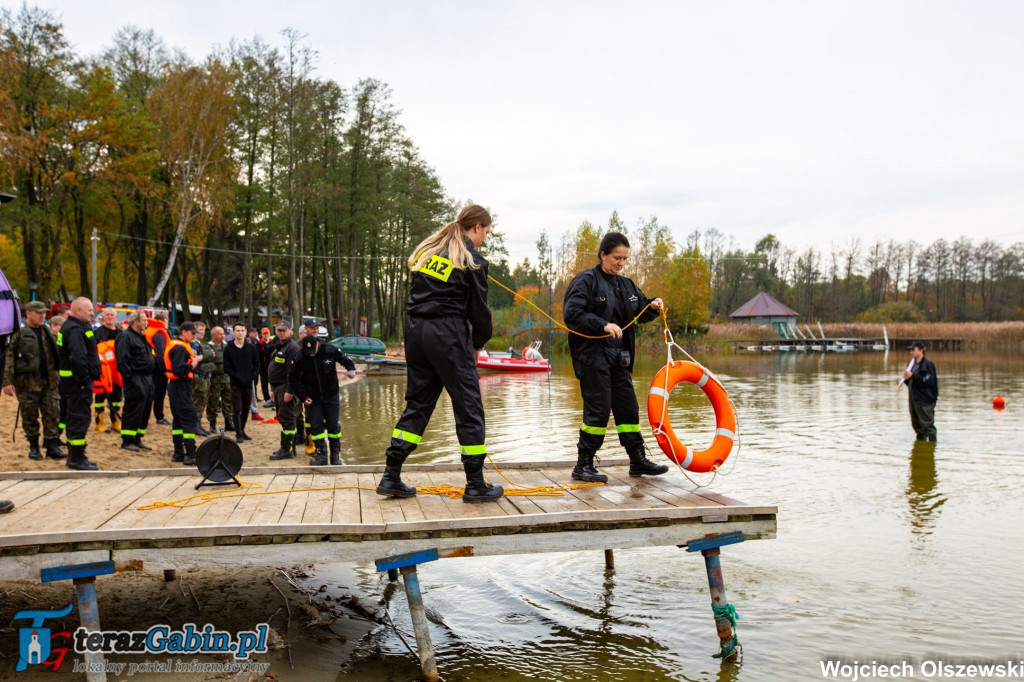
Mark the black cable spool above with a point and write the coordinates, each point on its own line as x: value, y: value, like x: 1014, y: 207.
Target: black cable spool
x: 219, y: 459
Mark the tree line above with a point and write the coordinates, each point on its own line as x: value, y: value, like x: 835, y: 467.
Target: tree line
x: 242, y: 180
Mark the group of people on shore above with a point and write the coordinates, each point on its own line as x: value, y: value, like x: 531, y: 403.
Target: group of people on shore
x: 67, y: 374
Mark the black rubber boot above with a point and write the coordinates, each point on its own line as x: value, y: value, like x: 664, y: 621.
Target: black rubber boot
x: 229, y: 425
x: 321, y: 454
x: 335, y: 446
x: 190, y: 452
x: 179, y: 450
x: 139, y: 444
x: 391, y: 482
x: 585, y: 471
x: 213, y: 425
x: 78, y: 461
x: 285, y: 451
x: 53, y: 450
x: 639, y: 465
x: 128, y: 443
x: 33, y: 448
x: 477, y: 489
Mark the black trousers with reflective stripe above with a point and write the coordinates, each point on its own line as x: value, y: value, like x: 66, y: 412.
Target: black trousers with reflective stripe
x: 183, y: 410
x: 607, y: 390
x: 79, y: 410
x: 323, y: 416
x: 138, y: 401
x: 439, y: 355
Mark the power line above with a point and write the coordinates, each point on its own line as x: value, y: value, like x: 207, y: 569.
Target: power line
x: 195, y: 247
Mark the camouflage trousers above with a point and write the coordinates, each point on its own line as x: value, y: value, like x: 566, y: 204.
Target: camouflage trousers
x: 220, y: 397
x: 200, y: 393
x: 34, y: 402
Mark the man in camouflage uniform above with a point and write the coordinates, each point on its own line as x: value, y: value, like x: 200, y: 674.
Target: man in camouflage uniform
x: 220, y: 383
x: 31, y: 374
x: 201, y: 375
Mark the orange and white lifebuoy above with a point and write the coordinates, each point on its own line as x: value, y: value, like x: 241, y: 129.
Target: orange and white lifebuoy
x: 725, y: 417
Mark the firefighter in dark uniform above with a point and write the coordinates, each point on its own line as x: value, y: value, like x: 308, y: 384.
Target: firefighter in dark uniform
x: 601, y: 302
x: 106, y: 343
x: 448, y: 297
x: 179, y: 361
x: 135, y: 362
x: 79, y: 367
x: 283, y: 353
x: 32, y: 376
x: 158, y: 338
x: 313, y: 381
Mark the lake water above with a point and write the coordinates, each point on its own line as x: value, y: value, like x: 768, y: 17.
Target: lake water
x: 887, y: 549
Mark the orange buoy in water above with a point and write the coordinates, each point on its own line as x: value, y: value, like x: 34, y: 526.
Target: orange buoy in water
x: 998, y: 402
x: 725, y: 417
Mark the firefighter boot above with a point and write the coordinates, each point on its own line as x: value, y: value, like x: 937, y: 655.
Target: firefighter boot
x: 321, y: 454
x: 78, y: 460
x: 310, y: 445
x: 639, y: 465
x: 335, y: 446
x: 584, y: 469
x: 128, y: 443
x: 115, y: 419
x: 53, y: 450
x: 477, y: 489
x: 140, y: 445
x: 179, y: 449
x: 190, y: 452
x: 33, y: 448
x: 101, y: 422
x: 391, y: 482
x: 285, y: 451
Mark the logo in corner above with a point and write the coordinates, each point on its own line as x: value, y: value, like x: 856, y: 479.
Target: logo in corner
x: 34, y: 640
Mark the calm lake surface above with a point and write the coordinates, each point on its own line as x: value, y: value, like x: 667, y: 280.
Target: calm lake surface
x: 887, y: 548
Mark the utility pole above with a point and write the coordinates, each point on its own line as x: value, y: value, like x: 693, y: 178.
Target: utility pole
x: 95, y: 238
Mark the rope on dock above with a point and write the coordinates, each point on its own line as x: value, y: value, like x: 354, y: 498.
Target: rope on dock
x: 450, y: 491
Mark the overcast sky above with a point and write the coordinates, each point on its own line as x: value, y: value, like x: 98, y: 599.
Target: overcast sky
x: 816, y: 121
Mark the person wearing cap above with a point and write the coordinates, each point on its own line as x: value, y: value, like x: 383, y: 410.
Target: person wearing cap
x: 242, y: 365
x: 313, y: 381
x: 180, y: 362
x: 923, y: 383
x: 33, y: 377
x: 285, y: 351
x: 79, y: 367
x: 135, y: 362
x: 449, y: 322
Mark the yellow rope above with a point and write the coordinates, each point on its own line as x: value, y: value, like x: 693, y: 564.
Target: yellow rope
x: 558, y: 324
x: 444, y: 489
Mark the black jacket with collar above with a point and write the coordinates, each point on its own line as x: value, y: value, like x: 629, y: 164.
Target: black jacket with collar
x: 441, y: 290
x: 589, y: 305
x: 924, y: 383
x: 314, y: 376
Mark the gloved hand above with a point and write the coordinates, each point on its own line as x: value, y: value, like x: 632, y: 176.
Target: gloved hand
x: 350, y: 373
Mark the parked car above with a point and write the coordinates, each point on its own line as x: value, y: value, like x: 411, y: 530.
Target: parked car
x: 356, y: 346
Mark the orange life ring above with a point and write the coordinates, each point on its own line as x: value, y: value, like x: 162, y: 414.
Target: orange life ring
x: 725, y: 417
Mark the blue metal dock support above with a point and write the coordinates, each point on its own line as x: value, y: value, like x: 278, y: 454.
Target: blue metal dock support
x: 84, y: 578
x: 725, y: 613
x: 406, y: 564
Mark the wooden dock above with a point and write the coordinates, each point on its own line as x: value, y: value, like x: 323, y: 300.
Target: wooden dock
x: 78, y: 517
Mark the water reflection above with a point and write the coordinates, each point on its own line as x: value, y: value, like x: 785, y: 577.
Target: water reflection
x: 922, y: 496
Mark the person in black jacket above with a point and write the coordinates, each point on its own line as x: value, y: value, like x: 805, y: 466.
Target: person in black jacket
x: 923, y: 383
x: 180, y: 362
x: 79, y: 367
x: 135, y: 363
x: 449, y: 322
x: 284, y: 352
x: 313, y: 381
x: 242, y: 365
x: 601, y: 302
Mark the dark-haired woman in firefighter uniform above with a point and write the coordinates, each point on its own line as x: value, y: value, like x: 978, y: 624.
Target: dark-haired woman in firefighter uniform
x: 601, y: 302
x: 449, y: 322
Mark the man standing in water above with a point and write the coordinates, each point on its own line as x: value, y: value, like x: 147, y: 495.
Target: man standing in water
x: 923, y: 383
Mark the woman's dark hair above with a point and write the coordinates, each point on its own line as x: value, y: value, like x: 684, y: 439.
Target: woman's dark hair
x: 610, y: 242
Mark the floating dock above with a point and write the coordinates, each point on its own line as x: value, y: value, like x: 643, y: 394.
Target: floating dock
x: 73, y: 518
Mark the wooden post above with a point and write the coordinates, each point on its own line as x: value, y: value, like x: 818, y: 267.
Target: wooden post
x: 717, y: 586
x: 609, y: 558
x: 392, y: 574
x: 419, y: 624
x: 89, y: 617
x: 170, y: 575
